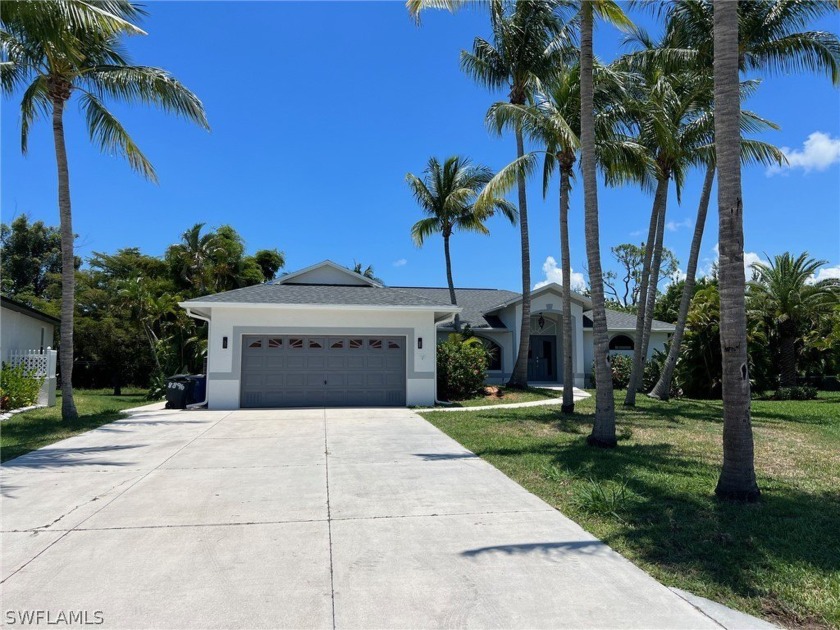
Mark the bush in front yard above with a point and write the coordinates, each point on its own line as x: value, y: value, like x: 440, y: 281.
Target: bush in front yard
x: 620, y: 365
x: 19, y: 386
x: 461, y: 368
x: 801, y: 392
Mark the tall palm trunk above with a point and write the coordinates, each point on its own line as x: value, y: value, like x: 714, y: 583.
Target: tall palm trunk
x: 653, y: 283
x: 659, y: 199
x: 519, y: 377
x: 787, y: 347
x: 662, y: 389
x: 68, y: 267
x: 603, y: 428
x: 449, y: 281
x: 737, y: 478
x: 566, y: 265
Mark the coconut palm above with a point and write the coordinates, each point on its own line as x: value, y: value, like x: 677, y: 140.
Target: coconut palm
x: 53, y: 50
x: 771, y: 39
x: 528, y: 45
x: 751, y: 151
x: 603, y: 427
x: 192, y: 259
x: 737, y: 479
x: 552, y: 121
x: 446, y: 193
x: 785, y: 292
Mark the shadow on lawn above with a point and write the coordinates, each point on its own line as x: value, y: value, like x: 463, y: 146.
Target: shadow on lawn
x: 672, y: 519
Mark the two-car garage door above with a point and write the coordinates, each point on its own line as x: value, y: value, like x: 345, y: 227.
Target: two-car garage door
x: 315, y: 371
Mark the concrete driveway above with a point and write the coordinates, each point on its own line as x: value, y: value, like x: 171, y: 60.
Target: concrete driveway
x: 302, y: 518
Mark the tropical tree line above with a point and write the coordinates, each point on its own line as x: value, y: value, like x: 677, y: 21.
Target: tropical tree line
x: 55, y: 51
x: 128, y: 327
x: 671, y: 105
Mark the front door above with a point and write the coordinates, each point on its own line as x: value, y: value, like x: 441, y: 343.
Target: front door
x: 542, y: 358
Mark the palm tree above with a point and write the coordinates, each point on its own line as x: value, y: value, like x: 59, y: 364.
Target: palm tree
x: 553, y: 121
x: 366, y: 272
x: 737, y: 479
x: 193, y: 258
x: 528, y: 46
x: 54, y: 49
x: 603, y: 427
x: 770, y: 39
x: 446, y: 194
x: 751, y: 151
x: 786, y: 293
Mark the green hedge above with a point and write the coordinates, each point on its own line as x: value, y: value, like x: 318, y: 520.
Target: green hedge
x: 19, y: 387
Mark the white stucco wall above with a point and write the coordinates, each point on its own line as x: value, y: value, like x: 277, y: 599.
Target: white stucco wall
x: 547, y: 302
x: 19, y: 331
x: 224, y: 365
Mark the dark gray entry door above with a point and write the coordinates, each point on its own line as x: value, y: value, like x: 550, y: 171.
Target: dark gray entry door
x: 316, y: 371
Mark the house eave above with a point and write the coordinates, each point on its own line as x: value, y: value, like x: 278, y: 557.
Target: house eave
x: 350, y: 307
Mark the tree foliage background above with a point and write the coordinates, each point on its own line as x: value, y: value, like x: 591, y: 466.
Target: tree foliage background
x: 129, y: 328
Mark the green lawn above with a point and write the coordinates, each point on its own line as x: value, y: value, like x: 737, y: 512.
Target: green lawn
x: 27, y: 431
x: 652, y: 498
x: 509, y: 396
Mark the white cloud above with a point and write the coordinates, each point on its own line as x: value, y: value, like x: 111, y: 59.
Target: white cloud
x: 827, y: 272
x: 673, y: 226
x: 819, y: 151
x: 750, y: 258
x: 402, y: 262
x: 553, y: 273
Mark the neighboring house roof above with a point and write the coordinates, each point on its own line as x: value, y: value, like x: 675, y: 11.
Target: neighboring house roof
x: 20, y: 307
x: 473, y: 302
x: 616, y: 320
x: 322, y: 294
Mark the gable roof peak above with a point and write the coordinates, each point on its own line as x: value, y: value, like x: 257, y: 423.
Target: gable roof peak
x: 327, y: 272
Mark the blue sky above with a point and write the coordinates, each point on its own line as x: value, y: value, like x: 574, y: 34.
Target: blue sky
x: 318, y: 110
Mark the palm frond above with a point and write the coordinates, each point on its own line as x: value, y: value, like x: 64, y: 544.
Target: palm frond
x: 111, y: 137
x: 148, y: 85
x: 505, y: 180
x: 811, y: 51
x: 424, y: 228
x: 35, y: 102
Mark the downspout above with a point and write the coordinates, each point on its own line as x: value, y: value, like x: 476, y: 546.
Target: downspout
x: 206, y: 376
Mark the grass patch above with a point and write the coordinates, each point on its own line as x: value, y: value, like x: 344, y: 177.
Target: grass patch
x: 652, y: 498
x: 31, y: 430
x: 505, y: 396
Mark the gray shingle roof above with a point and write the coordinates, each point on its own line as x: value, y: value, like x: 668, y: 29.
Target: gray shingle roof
x: 616, y: 320
x: 323, y: 294
x: 473, y: 302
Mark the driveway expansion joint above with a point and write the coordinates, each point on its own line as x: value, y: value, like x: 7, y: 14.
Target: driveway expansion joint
x: 329, y: 518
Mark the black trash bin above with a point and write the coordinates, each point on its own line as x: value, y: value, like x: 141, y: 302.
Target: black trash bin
x: 178, y: 391
x: 199, y: 388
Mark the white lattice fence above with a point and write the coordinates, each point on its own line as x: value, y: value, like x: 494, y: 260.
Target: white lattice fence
x: 41, y: 362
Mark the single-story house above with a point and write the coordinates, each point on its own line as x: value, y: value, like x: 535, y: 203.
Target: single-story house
x: 26, y: 335
x: 327, y: 336
x: 23, y: 328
